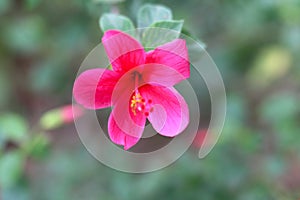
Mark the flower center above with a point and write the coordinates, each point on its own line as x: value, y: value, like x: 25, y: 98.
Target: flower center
x: 139, y: 104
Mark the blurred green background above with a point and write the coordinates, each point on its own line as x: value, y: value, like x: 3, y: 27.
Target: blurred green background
x: 256, y: 46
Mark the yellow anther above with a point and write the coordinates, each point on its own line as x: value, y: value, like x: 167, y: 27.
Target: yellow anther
x: 139, y: 104
x: 136, y: 103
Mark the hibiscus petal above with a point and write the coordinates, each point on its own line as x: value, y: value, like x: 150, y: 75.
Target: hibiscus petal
x: 127, y: 131
x: 123, y: 51
x: 173, y: 54
x: 93, y: 88
x: 130, y: 123
x: 158, y: 74
x: 170, y: 114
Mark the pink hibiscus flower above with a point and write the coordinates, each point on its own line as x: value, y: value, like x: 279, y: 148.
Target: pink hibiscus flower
x: 139, y: 87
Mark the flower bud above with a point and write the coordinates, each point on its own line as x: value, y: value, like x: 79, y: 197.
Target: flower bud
x: 59, y: 116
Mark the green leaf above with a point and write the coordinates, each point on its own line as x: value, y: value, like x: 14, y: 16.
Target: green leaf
x: 115, y: 22
x: 149, y: 14
x: 11, y: 165
x: 161, y: 32
x: 175, y: 25
x: 13, y: 127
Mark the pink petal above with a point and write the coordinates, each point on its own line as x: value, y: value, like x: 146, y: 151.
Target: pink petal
x: 124, y: 127
x: 93, y: 88
x: 123, y: 51
x: 159, y: 74
x: 121, y: 99
x: 170, y: 115
x: 118, y: 136
x: 173, y: 54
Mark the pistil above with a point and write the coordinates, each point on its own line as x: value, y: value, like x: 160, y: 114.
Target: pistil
x: 138, y: 103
